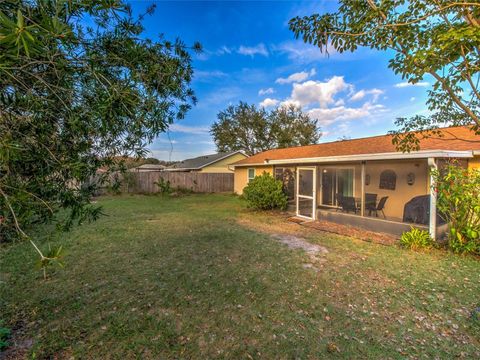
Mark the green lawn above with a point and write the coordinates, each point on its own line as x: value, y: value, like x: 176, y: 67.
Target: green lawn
x: 200, y: 277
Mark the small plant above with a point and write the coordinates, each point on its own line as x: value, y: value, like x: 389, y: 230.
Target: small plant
x: 265, y: 193
x: 54, y: 256
x: 416, y: 239
x: 164, y: 186
x: 129, y: 181
x: 4, y: 336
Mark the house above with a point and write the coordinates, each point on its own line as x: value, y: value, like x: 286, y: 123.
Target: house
x: 214, y: 163
x: 365, y: 182
x: 148, y: 168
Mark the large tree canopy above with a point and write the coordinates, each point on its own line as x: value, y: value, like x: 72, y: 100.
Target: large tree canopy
x: 79, y: 87
x: 248, y: 128
x: 435, y: 38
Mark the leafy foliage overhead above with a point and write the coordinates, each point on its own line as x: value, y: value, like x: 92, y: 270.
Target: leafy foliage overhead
x: 438, y: 39
x: 79, y: 87
x: 248, y: 128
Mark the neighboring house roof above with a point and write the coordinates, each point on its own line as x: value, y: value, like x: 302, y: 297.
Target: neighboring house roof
x: 148, y: 167
x: 201, y: 161
x: 454, y: 139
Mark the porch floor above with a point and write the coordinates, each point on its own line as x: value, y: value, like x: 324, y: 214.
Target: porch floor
x: 392, y: 227
x: 351, y: 231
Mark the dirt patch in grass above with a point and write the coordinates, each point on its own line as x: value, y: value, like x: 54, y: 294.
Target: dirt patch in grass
x: 314, y: 251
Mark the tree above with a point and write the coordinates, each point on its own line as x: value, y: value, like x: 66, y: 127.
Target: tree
x: 436, y: 38
x: 74, y: 98
x: 245, y: 127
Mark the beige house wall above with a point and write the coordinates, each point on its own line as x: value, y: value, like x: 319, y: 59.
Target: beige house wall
x: 241, y: 176
x: 223, y: 166
x: 403, y: 192
x: 474, y: 163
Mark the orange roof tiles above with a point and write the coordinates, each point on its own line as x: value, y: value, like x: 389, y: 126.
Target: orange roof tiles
x: 454, y: 139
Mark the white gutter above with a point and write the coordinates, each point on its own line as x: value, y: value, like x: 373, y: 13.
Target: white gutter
x: 380, y: 156
x: 250, y: 165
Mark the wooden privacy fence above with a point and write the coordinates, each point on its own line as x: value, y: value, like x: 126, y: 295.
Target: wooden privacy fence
x: 146, y: 182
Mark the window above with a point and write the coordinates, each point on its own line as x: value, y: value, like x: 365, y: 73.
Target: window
x: 279, y: 173
x: 287, y: 177
x: 251, y: 174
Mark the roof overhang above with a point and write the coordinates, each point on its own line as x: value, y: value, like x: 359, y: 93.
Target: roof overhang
x: 209, y: 163
x: 425, y: 154
x: 183, y: 169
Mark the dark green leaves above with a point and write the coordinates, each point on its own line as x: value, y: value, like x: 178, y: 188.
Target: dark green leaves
x: 73, y: 100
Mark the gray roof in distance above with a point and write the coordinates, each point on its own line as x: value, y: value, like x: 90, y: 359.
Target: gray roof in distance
x: 201, y: 161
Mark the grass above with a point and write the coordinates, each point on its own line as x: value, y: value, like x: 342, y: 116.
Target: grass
x: 200, y: 277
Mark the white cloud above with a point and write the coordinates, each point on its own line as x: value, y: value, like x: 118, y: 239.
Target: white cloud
x: 269, y: 102
x: 207, y: 75
x: 326, y: 101
x: 328, y: 116
x: 413, y: 98
x: 296, y: 77
x: 362, y: 93
x: 318, y: 92
x: 298, y: 51
x: 262, y: 92
x: 224, y: 50
x: 407, y: 84
x: 259, y: 49
x: 198, y: 130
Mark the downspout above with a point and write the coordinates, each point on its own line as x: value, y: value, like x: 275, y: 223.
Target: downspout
x: 432, y: 165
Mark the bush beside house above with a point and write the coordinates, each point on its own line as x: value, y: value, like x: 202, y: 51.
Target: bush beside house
x: 265, y: 193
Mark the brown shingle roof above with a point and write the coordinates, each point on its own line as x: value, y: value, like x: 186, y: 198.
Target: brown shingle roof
x: 454, y: 139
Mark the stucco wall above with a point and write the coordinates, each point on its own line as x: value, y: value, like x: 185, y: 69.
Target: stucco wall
x: 241, y: 176
x: 222, y: 166
x: 474, y: 163
x: 403, y: 192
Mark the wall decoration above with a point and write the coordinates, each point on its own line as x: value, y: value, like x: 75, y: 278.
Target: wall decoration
x: 410, y: 178
x: 388, y: 180
x: 367, y: 179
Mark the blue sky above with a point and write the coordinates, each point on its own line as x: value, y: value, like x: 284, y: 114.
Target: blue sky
x: 251, y: 55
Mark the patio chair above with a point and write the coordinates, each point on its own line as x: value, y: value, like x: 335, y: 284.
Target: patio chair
x: 349, y: 204
x: 370, y: 202
x: 339, y: 201
x: 380, y: 206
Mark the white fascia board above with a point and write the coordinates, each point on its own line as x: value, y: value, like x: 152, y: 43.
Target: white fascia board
x: 251, y: 165
x: 381, y: 156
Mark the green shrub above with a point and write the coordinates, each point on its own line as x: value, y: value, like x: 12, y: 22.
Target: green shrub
x: 416, y: 239
x: 164, y: 186
x: 458, y: 200
x: 4, y: 336
x: 265, y: 193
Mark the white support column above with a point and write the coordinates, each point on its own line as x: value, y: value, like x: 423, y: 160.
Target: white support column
x: 432, y: 165
x: 362, y: 205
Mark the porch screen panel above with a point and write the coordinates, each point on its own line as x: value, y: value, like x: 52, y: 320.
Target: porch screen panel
x: 305, y: 207
x: 345, y: 181
x: 305, y: 183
